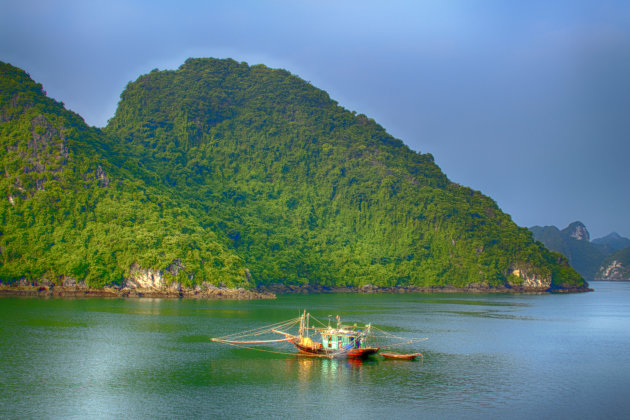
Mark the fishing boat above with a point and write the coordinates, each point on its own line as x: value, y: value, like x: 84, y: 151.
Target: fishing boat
x: 316, y: 339
x: 341, y: 341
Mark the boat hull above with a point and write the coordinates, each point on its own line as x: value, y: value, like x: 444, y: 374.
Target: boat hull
x: 320, y: 351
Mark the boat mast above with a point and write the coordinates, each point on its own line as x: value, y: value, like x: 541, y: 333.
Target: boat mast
x: 302, y: 324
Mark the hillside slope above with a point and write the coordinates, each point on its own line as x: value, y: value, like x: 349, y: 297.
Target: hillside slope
x: 611, y: 243
x: 308, y: 193
x: 74, y: 209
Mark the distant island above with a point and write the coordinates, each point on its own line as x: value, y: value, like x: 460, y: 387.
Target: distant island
x: 606, y: 258
x: 221, y: 176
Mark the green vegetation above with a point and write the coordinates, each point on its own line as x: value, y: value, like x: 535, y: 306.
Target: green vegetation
x: 73, y: 206
x: 237, y: 169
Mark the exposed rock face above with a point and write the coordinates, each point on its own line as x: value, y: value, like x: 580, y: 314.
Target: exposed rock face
x: 530, y: 280
x: 615, y: 267
x: 150, y: 279
x: 103, y: 180
x: 578, y: 231
x: 614, y: 271
x: 153, y: 283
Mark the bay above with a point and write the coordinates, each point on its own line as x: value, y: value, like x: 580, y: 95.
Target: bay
x: 488, y: 356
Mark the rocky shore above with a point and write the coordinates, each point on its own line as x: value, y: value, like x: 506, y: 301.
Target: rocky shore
x: 153, y: 289
x: 51, y: 290
x: 472, y: 288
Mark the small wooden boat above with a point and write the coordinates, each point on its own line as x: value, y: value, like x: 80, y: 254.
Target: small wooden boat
x: 399, y: 356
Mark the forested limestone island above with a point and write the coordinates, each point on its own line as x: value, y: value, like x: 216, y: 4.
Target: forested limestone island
x: 223, y: 179
x: 606, y: 258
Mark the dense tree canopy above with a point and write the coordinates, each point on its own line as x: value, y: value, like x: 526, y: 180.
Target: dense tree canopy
x: 249, y: 176
x: 73, y: 205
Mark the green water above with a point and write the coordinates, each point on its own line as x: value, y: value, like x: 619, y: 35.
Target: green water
x: 488, y: 356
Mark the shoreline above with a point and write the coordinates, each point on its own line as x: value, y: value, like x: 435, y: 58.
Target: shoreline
x: 115, y: 292
x: 369, y: 289
x: 262, y: 292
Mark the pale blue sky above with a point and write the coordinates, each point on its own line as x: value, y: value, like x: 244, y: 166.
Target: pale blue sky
x: 528, y: 102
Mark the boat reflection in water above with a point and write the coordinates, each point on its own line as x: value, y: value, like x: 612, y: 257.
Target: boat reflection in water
x: 325, y: 370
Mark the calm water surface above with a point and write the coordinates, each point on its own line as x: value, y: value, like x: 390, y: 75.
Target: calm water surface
x: 488, y: 356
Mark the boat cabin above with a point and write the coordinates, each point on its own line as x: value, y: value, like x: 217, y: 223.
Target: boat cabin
x: 337, y: 340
